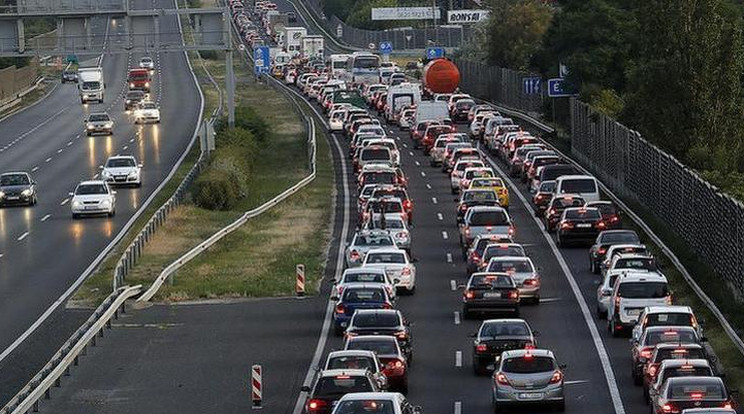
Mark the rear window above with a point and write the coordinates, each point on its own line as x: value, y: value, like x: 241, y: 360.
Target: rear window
x: 686, y: 371
x: 700, y: 391
x: 528, y: 365
x: 636, y: 263
x: 505, y: 329
x: 547, y: 187
x: 389, y: 224
x: 553, y: 173
x: 579, y: 185
x: 681, y: 353
x: 369, y: 240
x: 669, y: 319
x: 379, y: 178
x: 364, y: 295
x: 503, y: 251
x: 351, y: 362
x: 390, y: 207
x: 478, y: 173
x: 380, y: 346
x: 489, y: 218
x: 491, y: 281
x: 375, y: 258
x: 365, y: 406
x: 367, y: 320
x: 340, y: 385
x: 624, y: 237
x: 643, y: 290
x: 565, y: 202
x: 486, y: 195
x: 510, y: 266
x: 655, y: 338
x: 583, y: 214
x: 365, y: 277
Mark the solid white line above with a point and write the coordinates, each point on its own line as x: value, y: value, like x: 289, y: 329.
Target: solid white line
x: 575, y: 382
x: 457, y: 318
x: 604, y: 358
x: 440, y: 216
x: 453, y: 285
x: 458, y: 359
x: 45, y: 218
x: 445, y: 236
x: 458, y: 407
x: 434, y: 200
x: 22, y: 236
x: 64, y: 201
x: 449, y: 257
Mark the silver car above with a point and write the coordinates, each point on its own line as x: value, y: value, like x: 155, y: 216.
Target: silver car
x: 528, y: 377
x: 362, y: 242
x: 524, y: 273
x: 395, y: 226
x: 99, y: 122
x: 397, y: 265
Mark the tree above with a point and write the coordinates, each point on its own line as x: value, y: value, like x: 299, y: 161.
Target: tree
x: 516, y: 31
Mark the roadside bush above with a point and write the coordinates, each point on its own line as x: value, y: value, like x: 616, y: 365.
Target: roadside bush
x: 208, y: 54
x: 247, y: 118
x: 216, y: 190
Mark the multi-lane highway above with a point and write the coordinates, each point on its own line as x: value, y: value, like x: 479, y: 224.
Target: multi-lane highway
x: 43, y: 251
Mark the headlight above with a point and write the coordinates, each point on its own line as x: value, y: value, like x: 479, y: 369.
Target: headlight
x: 91, y: 126
x: 26, y: 192
x: 77, y: 204
x: 106, y: 203
x: 133, y: 174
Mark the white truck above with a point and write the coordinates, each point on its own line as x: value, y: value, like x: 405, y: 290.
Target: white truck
x: 313, y: 46
x: 293, y: 39
x: 432, y: 110
x: 90, y: 84
x: 399, y: 96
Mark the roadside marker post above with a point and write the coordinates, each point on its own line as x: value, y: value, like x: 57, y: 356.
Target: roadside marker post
x: 257, y: 386
x: 300, y: 286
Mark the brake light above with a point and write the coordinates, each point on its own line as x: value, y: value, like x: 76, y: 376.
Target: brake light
x: 539, y: 197
x: 614, y: 219
x: 463, y: 207
x: 667, y: 408
x: 315, y: 405
x: 387, y: 306
x: 501, y: 379
x: 556, y: 378
x: 401, y: 335
x: 408, y: 205
x: 552, y: 211
x: 652, y: 371
x: 481, y: 348
x: 354, y: 255
x: 396, y: 364
x: 467, y: 231
x: 646, y: 353
x: 469, y: 294
x: 601, y: 225
x: 529, y: 345
x: 567, y: 225
x: 514, y: 294
x: 727, y: 404
x: 528, y: 356
x: 512, y: 230
x: 340, y: 308
x: 475, y: 258
x: 697, y: 395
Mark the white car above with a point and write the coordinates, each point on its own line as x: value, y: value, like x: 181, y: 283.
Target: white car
x: 147, y: 111
x: 365, y: 275
x: 122, y: 169
x: 380, y: 402
x: 93, y: 197
x: 147, y: 63
x: 397, y: 265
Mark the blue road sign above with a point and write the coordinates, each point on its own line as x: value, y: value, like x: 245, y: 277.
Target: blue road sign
x: 434, y: 52
x: 559, y: 88
x: 261, y: 59
x: 531, y: 86
x: 386, y: 48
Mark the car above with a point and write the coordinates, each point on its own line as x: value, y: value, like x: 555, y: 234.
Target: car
x: 357, y: 359
x: 484, y: 220
x: 383, y: 322
x: 384, y: 205
x: 458, y: 171
x: 496, y: 336
x: 542, y: 197
x: 122, y: 169
x: 364, y: 275
x: 516, y: 161
x: 358, y: 296
x: 395, y: 191
x: 494, y: 183
x: 474, y: 255
x: 675, y: 351
x: 291, y: 17
x: 460, y: 110
x: 556, y: 206
x: 397, y: 265
x: 498, y: 249
x: 459, y: 152
x: 633, y: 291
x: 578, y: 223
x: 489, y: 292
x: 606, y: 239
x: 449, y: 149
x: 436, y: 154
x: 99, y: 122
x: 147, y: 63
x: 680, y: 393
x: 147, y: 111
x: 362, y: 242
x: 633, y: 261
x: 375, y: 403
x: 534, y: 366
x: 69, y: 76
x: 604, y: 293
x: 610, y: 213
x: 617, y: 249
x: 333, y: 384
x: 524, y: 273
x: 469, y: 174
x: 93, y: 197
x: 475, y: 197
x: 643, y: 346
x: 377, y: 174
x: 671, y: 315
x: 393, y: 225
x: 17, y: 188
x: 430, y: 135
x: 670, y: 368
x: 387, y: 349
x: 133, y: 98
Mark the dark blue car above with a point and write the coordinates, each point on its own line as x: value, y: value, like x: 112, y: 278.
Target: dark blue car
x: 359, y: 296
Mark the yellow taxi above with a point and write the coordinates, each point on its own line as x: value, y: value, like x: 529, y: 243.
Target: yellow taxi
x: 494, y: 183
x: 277, y: 71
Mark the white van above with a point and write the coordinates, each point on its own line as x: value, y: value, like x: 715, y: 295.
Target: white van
x: 633, y: 292
x: 585, y: 186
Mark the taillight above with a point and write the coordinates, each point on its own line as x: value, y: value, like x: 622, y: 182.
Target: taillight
x: 315, y: 405
x: 463, y: 207
x: 601, y: 225
x: 469, y: 294
x: 652, y: 371
x: 387, y: 306
x: 646, y: 352
x: 514, y: 294
x: 467, y: 231
x: 556, y: 378
x: 727, y: 404
x: 396, y: 364
x: 340, y: 308
x: 475, y: 258
x: 530, y: 282
x: 566, y: 225
x: 667, y: 408
x: 481, y: 348
x: 354, y: 255
x: 408, y: 205
x: 512, y: 230
x: 401, y: 335
x: 501, y: 379
x: 552, y: 211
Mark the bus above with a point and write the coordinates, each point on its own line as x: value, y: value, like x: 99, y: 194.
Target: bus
x: 363, y: 67
x: 337, y: 63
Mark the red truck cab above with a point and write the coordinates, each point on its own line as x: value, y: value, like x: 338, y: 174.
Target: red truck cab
x: 139, y: 79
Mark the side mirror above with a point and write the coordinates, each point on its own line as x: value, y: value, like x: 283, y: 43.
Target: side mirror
x: 305, y: 388
x: 70, y: 194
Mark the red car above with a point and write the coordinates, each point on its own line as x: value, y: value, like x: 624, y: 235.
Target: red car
x: 388, y: 350
x: 610, y: 213
x: 139, y: 79
x: 432, y: 133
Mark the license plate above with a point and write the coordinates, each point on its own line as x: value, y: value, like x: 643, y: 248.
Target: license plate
x: 13, y: 198
x: 90, y: 207
x: 530, y: 395
x: 584, y: 225
x: 492, y: 295
x: 633, y: 312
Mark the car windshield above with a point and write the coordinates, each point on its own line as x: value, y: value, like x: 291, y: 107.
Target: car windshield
x: 579, y: 185
x: 565, y: 202
x: 505, y: 329
x: 528, y: 364
x: 489, y: 218
x: 583, y: 214
x: 370, y: 277
x: 496, y: 281
x: 509, y: 266
x: 120, y: 163
x: 488, y: 182
x: 643, y: 290
x: 367, y: 320
x: 396, y: 258
x: 98, y: 118
x: 485, y: 195
x: 351, y: 362
x: 14, y: 179
x: 636, y: 263
x: 656, y: 337
x: 364, y: 295
x: 379, y: 346
x: 365, y: 407
x: 340, y: 385
x: 669, y: 319
x: 624, y: 237
x: 90, y: 189
x: 707, y: 390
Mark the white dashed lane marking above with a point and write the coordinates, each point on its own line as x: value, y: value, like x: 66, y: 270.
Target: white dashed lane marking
x: 45, y: 218
x: 64, y: 201
x: 22, y: 236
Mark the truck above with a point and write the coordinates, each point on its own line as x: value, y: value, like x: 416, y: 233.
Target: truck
x: 440, y: 76
x: 312, y: 46
x: 399, y: 96
x: 432, y: 110
x: 274, y: 19
x: 351, y: 96
x: 139, y: 78
x: 91, y: 85
x: 293, y: 39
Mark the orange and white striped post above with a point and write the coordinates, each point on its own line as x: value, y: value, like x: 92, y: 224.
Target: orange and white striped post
x: 257, y: 386
x: 300, y: 285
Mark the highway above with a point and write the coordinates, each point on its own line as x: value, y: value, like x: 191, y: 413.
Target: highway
x: 43, y: 251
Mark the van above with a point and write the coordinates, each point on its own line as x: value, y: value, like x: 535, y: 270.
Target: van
x: 584, y: 185
x: 634, y: 291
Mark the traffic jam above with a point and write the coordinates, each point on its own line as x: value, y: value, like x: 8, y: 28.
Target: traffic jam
x: 486, y: 161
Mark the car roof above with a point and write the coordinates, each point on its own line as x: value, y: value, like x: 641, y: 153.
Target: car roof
x: 477, y: 209
x: 351, y: 352
x: 15, y: 173
x: 667, y: 308
x: 504, y: 320
x: 386, y: 250
x: 362, y: 269
x: 116, y: 157
x: 377, y: 311
x: 92, y: 182
x: 575, y: 177
x: 636, y: 276
x: 362, y: 285
x: 372, y: 395
x: 344, y: 371
x: 518, y: 353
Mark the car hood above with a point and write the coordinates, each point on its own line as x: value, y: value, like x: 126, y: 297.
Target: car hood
x: 14, y: 188
x: 91, y: 197
x: 120, y: 170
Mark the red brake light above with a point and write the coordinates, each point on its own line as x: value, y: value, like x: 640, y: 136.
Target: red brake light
x: 667, y: 408
x: 340, y: 308
x: 652, y: 370
x: 697, y: 395
x: 646, y: 353
x: 387, y: 306
x: 529, y: 345
x: 512, y: 230
x: 556, y: 378
x: 401, y: 335
x: 315, y: 405
x: 355, y: 254
x: 602, y: 250
x: 566, y: 225
x: 501, y: 379
x: 530, y: 282
x: 514, y: 294
x: 601, y: 225
x: 481, y: 348
x: 469, y: 294
x: 528, y: 356
x: 342, y: 377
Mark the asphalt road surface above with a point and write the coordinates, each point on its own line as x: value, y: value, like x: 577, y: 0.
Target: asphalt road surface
x: 43, y: 251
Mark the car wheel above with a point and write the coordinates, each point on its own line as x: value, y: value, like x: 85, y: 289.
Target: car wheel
x: 560, y: 406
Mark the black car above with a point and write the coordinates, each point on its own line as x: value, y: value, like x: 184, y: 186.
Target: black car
x: 579, y: 224
x: 17, y: 188
x: 606, y: 239
x: 461, y: 109
x: 556, y: 206
x: 680, y: 393
x: 487, y: 292
x: 332, y: 384
x: 496, y: 336
x: 69, y: 76
x: 383, y: 322
x: 133, y: 98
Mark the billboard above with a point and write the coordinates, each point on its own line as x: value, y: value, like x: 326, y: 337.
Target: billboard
x: 406, y: 13
x: 467, y: 16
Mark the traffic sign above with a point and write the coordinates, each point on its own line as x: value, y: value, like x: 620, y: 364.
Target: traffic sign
x: 261, y: 59
x: 434, y: 52
x: 386, y: 48
x: 559, y: 88
x: 562, y: 70
x: 531, y: 86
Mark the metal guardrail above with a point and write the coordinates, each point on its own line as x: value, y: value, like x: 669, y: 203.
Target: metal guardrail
x: 730, y: 331
x: 50, y: 375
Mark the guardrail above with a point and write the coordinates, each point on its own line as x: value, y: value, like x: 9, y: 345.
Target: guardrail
x: 133, y: 252
x: 730, y: 331
x: 50, y: 375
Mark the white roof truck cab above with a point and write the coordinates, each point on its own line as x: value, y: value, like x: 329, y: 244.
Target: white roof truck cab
x: 337, y: 63
x: 313, y: 46
x: 634, y: 291
x: 91, y: 85
x: 584, y: 185
x: 400, y: 96
x: 293, y: 39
